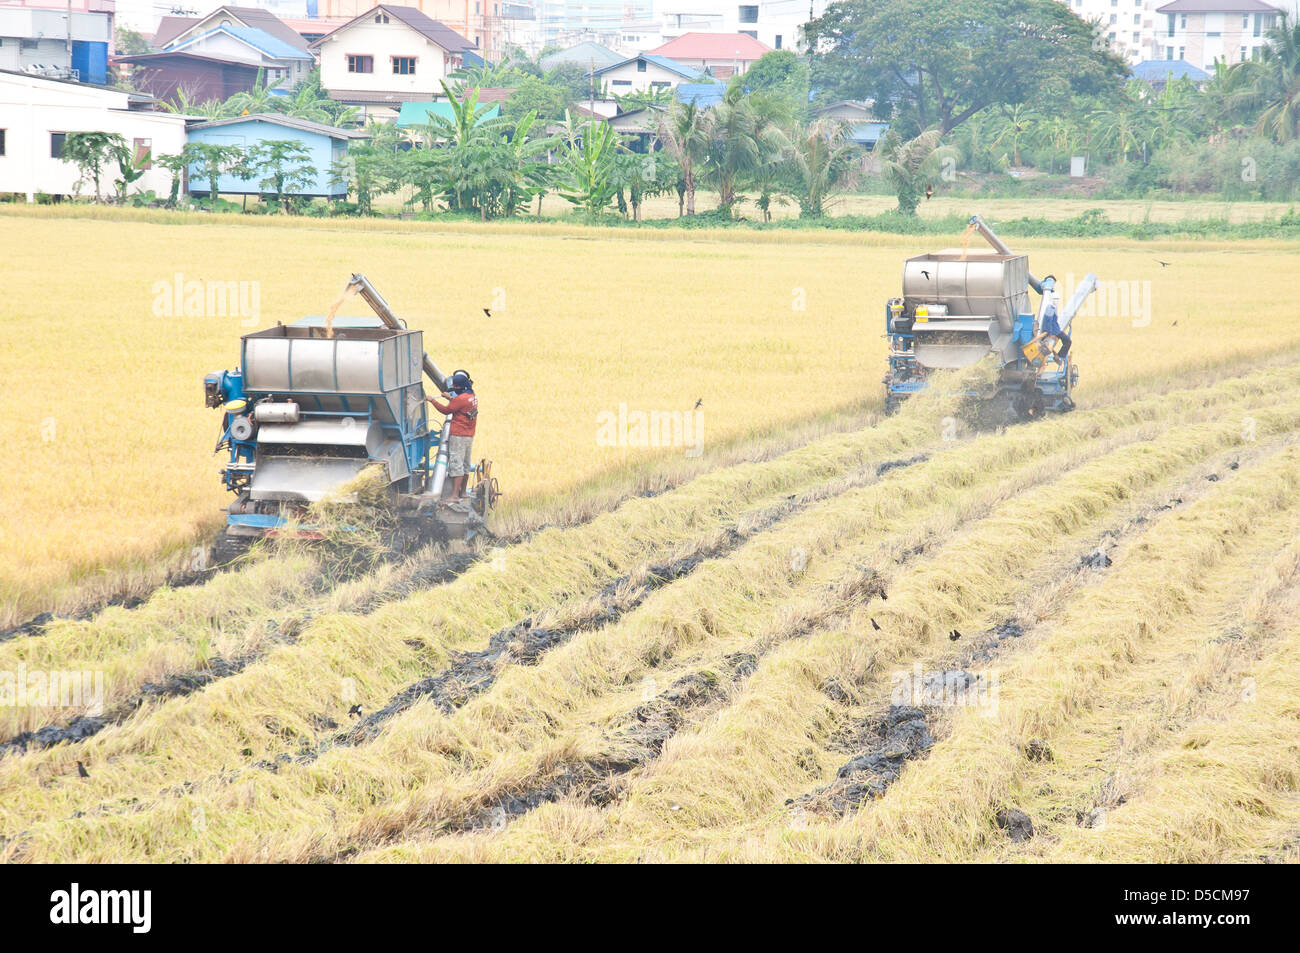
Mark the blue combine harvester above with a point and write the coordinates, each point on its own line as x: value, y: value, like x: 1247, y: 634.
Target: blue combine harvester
x: 315, y: 402
x: 960, y: 306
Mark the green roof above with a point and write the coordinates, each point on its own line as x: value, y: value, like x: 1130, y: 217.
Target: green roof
x: 417, y: 114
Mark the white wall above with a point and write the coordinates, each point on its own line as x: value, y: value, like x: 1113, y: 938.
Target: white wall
x: 775, y: 18
x: 637, y: 81
x: 383, y: 41
x: 32, y: 108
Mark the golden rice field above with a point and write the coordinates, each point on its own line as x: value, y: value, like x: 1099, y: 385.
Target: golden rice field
x: 830, y: 635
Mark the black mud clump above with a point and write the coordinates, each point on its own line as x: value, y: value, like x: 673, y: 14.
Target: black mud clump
x: 79, y: 729
x: 1098, y: 559
x: 1038, y: 750
x: 1015, y: 823
x: 900, y: 736
x: 889, y: 465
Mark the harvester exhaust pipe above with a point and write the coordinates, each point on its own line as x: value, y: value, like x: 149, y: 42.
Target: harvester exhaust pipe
x: 380, y: 307
x: 999, y: 246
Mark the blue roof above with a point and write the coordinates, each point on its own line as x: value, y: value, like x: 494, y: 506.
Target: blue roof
x: 1159, y: 71
x: 260, y: 40
x: 469, y: 60
x: 702, y: 95
x: 867, y: 133
x: 663, y: 62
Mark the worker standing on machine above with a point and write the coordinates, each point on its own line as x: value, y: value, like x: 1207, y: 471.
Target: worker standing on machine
x: 462, y: 404
x: 1052, y: 322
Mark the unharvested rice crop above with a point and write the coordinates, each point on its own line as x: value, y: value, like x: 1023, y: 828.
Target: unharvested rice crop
x: 830, y: 635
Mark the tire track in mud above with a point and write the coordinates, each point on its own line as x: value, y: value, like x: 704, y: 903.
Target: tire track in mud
x: 902, y: 731
x: 472, y: 673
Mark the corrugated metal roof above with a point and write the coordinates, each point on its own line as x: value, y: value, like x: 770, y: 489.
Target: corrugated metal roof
x: 702, y: 95
x: 713, y: 46
x: 588, y: 55
x: 690, y: 72
x: 1155, y: 71
x: 417, y: 114
x: 291, y: 122
x: 259, y: 40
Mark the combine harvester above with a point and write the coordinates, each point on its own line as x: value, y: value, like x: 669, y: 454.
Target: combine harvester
x: 314, y: 403
x: 959, y: 307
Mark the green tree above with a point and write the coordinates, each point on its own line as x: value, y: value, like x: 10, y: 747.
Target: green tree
x: 821, y: 160
x: 782, y: 74
x: 466, y: 141
x: 90, y: 152
x: 129, y: 42
x: 371, y: 167
x: 176, y: 165
x: 284, y: 168
x: 1274, y: 80
x: 927, y: 64
x: 684, y: 130
x: 212, y: 161
x: 130, y: 167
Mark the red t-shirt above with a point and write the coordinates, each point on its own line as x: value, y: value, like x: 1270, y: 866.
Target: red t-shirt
x: 464, y: 413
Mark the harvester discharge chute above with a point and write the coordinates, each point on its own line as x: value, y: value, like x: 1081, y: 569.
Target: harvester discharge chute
x: 960, y: 306
x: 314, y: 403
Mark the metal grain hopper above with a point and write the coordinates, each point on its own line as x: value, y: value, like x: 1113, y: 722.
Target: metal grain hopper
x: 961, y: 306
x: 314, y: 403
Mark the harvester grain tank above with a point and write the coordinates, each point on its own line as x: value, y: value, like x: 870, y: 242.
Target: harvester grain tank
x: 315, y: 402
x: 960, y: 306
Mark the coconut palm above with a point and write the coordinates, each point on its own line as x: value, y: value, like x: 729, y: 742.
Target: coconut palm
x: 1275, y: 83
x: 820, y: 159
x: 684, y: 130
x: 910, y: 166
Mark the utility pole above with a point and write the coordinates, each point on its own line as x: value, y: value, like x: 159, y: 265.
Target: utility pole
x: 68, y: 68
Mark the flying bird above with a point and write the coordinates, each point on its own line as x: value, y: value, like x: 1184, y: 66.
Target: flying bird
x: 929, y: 190
x: 1175, y: 324
x: 355, y: 711
x: 1163, y: 264
x: 81, y: 770
x: 926, y: 273
x: 954, y: 635
x: 875, y: 625
x: 698, y: 403
x: 488, y: 312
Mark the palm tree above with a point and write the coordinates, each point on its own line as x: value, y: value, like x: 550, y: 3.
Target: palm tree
x: 1275, y: 83
x: 820, y: 159
x: 684, y: 131
x: 911, y: 165
x: 744, y: 135
x: 1017, y: 123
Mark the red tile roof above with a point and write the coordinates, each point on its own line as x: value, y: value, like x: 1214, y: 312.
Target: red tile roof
x: 713, y: 46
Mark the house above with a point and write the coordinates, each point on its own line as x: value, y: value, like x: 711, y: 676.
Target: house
x: 218, y: 55
x: 778, y: 23
x: 492, y: 27
x: 864, y: 127
x: 199, y: 79
x: 35, y: 40
x: 1200, y: 32
x: 324, y: 144
x: 723, y: 55
x: 37, y: 113
x: 387, y: 56
x: 1160, y: 72
x: 587, y: 55
x: 643, y: 72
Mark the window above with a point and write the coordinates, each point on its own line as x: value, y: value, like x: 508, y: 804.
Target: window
x: 640, y: 66
x: 621, y: 82
x: 749, y: 14
x: 2, y: 142
x: 360, y: 64
x: 1258, y: 18
x: 1243, y: 54
x: 1182, y: 52
x: 1114, y: 18
x: 56, y: 144
x: 381, y: 18
x: 144, y: 152
x: 1169, y: 52
x: 1245, y: 20
x: 753, y: 33
x: 777, y: 45
x: 1182, y: 20
x: 1171, y: 24
x: 1137, y: 19
x: 403, y: 65
x: 1137, y: 37
x: 660, y: 84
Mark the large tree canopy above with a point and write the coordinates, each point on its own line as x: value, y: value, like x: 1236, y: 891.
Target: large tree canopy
x: 934, y: 64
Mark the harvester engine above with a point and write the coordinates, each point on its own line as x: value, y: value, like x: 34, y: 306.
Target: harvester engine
x: 960, y: 306
x: 314, y: 403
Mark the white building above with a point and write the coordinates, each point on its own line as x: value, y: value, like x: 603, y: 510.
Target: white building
x: 37, y: 113
x: 643, y: 72
x: 1203, y: 31
x: 387, y: 56
x: 35, y: 40
x: 1198, y: 31
x: 777, y: 23
x: 565, y: 22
